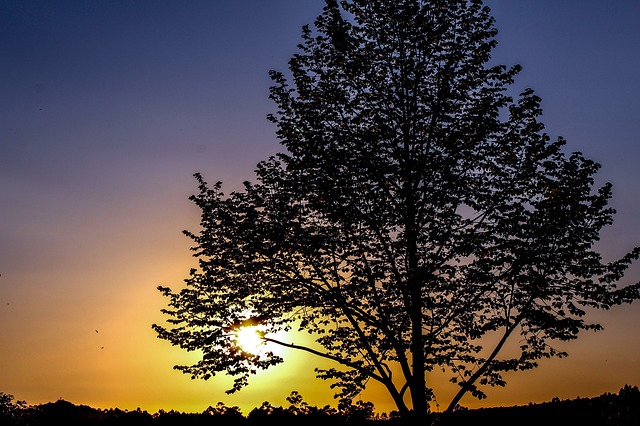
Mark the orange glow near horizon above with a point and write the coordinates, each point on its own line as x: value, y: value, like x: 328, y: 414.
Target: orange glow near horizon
x: 124, y: 365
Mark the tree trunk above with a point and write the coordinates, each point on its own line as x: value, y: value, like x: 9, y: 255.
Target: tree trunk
x: 417, y: 385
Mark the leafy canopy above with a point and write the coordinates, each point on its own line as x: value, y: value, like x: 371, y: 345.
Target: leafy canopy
x: 415, y: 211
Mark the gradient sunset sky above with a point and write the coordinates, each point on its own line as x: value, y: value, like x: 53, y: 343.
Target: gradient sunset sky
x: 108, y: 108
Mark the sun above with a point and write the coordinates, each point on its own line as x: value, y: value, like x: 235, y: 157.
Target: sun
x: 249, y: 339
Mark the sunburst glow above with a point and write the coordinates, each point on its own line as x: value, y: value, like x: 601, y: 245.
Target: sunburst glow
x: 250, y: 339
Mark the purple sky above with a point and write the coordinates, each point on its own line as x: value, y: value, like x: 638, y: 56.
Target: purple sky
x: 109, y: 107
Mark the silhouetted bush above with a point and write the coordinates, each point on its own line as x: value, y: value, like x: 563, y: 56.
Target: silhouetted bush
x: 137, y: 417
x: 608, y: 409
x: 621, y: 409
x: 65, y: 413
x: 10, y: 411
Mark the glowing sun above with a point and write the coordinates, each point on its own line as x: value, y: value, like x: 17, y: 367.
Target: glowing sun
x: 250, y: 339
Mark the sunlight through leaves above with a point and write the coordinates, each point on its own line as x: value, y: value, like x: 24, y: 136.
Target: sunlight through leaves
x: 250, y: 339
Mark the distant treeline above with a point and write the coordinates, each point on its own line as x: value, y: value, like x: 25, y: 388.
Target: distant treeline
x: 621, y: 409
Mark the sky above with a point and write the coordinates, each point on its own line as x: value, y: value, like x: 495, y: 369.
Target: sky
x: 109, y: 107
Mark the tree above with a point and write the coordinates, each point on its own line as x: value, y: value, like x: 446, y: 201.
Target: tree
x: 418, y: 218
x: 11, y: 412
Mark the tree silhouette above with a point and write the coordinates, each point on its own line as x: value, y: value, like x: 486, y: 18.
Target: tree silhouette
x: 418, y: 218
x: 10, y: 411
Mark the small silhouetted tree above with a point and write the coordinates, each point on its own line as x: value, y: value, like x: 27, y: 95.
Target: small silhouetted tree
x: 11, y: 411
x: 221, y: 410
x: 418, y: 218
